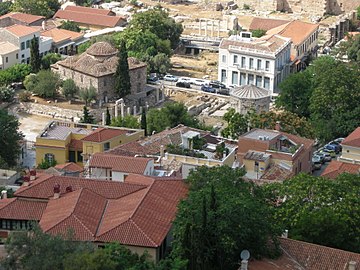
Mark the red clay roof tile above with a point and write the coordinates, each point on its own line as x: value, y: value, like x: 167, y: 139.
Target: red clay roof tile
x: 265, y: 23
x: 20, y: 209
x: 69, y: 167
x: 353, y: 139
x: 335, y: 168
x: 104, y: 134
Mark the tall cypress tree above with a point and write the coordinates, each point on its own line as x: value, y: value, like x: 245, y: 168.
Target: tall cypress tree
x: 143, y: 121
x: 108, y: 117
x: 122, y: 77
x: 87, y: 117
x: 35, y: 61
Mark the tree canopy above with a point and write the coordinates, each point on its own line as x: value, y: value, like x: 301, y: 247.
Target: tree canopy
x: 49, y: 59
x: 128, y: 121
x: 45, y: 83
x: 5, y: 7
x: 15, y: 73
x: 87, y: 118
x: 319, y: 210
x: 88, y: 94
x: 222, y: 216
x: 35, y: 61
x: 122, y: 76
x: 46, y: 8
x: 9, y: 139
x: 70, y: 25
x: 69, y: 88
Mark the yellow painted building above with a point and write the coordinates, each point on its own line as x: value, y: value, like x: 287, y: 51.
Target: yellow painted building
x: 351, y: 148
x: 74, y: 142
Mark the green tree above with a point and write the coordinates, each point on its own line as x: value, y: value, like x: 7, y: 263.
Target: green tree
x: 69, y: 89
x: 317, y: 210
x: 108, y: 117
x: 334, y: 103
x: 295, y: 94
x: 88, y: 94
x: 128, y: 121
x: 358, y: 12
x: 143, y: 123
x: 49, y: 59
x: 46, y: 8
x: 9, y: 139
x: 122, y: 77
x: 237, y: 124
x: 87, y: 117
x: 70, y: 25
x: 160, y: 63
x: 16, y: 73
x: 35, y: 61
x: 6, y: 94
x: 45, y: 83
x: 219, y: 201
x: 258, y: 33
x: 5, y: 7
x: 84, y: 46
x: 353, y: 51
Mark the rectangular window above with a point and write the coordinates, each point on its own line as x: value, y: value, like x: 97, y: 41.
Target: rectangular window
x: 22, y: 45
x: 79, y: 156
x: 258, y: 81
x: 267, y: 83
x: 267, y: 65
x: 258, y: 64
x: 243, y: 62
x: 223, y: 58
x: 235, y: 59
x: 250, y: 79
x: 72, y: 156
x: 242, y: 78
x: 27, y: 44
x: 7, y: 59
x: 17, y: 56
x: 106, y: 146
x: 234, y: 78
x: 223, y: 75
x: 251, y: 63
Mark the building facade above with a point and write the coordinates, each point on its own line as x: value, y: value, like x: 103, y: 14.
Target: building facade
x: 9, y: 55
x: 263, y: 62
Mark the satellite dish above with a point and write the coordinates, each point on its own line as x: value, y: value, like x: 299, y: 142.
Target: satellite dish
x: 245, y: 254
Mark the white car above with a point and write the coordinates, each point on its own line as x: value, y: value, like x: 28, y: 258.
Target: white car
x: 184, y: 79
x: 170, y: 78
x: 200, y: 82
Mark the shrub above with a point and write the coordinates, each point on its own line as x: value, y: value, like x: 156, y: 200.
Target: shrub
x: 25, y: 96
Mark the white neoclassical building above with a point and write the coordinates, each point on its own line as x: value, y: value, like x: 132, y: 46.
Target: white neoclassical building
x: 263, y: 62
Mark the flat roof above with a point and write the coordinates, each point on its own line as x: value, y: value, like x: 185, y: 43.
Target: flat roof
x: 59, y: 132
x: 256, y: 133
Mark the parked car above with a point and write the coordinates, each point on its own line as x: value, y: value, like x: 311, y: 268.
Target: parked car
x: 217, y: 84
x: 199, y: 82
x: 153, y: 80
x: 184, y: 79
x: 321, y: 157
x: 207, y: 88
x: 170, y: 78
x: 183, y: 84
x: 334, y: 147
x: 336, y: 143
x: 339, y: 140
x: 327, y: 155
x: 331, y: 152
x: 316, y: 162
x: 223, y: 91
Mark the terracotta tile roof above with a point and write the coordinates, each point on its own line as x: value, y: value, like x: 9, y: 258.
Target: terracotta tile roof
x: 91, y: 19
x: 21, y: 30
x: 336, y: 168
x: 69, y: 167
x: 276, y: 173
x: 269, y: 43
x: 43, y: 187
x: 89, y: 10
x: 104, y: 134
x: 23, y: 17
x: 60, y: 35
x: 265, y: 23
x: 21, y: 209
x: 76, y: 144
x: 297, y: 31
x: 353, y: 139
x: 316, y: 257
x: 7, y: 47
x: 119, y: 163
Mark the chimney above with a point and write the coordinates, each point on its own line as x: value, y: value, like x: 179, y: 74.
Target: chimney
x: 244, y: 265
x: 352, y: 265
x: 26, y: 181
x: 162, y: 151
x: 4, y: 194
x: 277, y: 126
x: 69, y: 189
x: 43, y: 25
x: 285, y: 234
x: 32, y: 174
x: 56, y: 191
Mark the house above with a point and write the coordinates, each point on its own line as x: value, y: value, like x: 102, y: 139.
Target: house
x: 9, y: 54
x: 117, y: 168
x: 96, y: 67
x: 269, y: 152
x: 304, y: 37
x: 335, y: 168
x: 263, y: 62
x: 21, y: 18
x: 266, y: 24
x: 21, y: 36
x: 90, y: 18
x: 71, y: 142
x: 351, y: 148
x: 64, y: 41
x: 307, y: 256
x: 137, y: 213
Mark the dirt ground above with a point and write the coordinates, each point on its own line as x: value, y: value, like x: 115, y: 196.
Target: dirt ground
x: 59, y: 102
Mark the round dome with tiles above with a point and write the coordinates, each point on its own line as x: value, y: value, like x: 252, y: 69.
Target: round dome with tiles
x: 250, y: 92
x: 101, y: 49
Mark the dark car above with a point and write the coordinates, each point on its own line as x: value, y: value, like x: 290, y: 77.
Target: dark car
x: 336, y: 143
x: 153, y: 80
x: 183, y: 84
x: 333, y: 147
x: 223, y: 91
x: 207, y: 88
x: 217, y: 84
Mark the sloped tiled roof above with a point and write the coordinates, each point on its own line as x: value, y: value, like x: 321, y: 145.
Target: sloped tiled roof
x: 89, y: 10
x: 23, y: 17
x: 69, y: 167
x: 21, y: 30
x: 276, y: 173
x: 91, y: 19
x: 353, y: 139
x: 250, y: 92
x: 104, y: 134
x: 265, y: 23
x: 60, y: 35
x: 20, y: 209
x: 119, y: 163
x: 336, y: 168
x: 76, y: 144
x: 7, y: 47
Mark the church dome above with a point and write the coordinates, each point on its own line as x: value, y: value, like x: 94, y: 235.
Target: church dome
x: 101, y: 49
